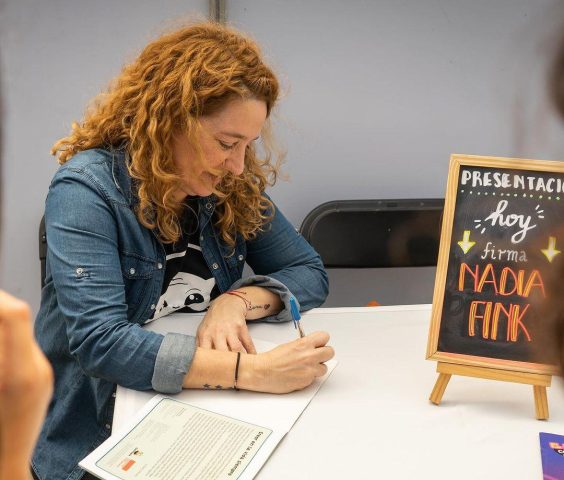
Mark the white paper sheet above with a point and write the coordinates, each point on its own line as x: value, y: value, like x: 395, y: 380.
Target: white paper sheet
x: 172, y: 439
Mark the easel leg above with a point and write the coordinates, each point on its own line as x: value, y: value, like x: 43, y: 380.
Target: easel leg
x: 439, y: 388
x: 541, y: 402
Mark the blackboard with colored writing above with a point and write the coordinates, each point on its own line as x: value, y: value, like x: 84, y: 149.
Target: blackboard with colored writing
x: 500, y: 240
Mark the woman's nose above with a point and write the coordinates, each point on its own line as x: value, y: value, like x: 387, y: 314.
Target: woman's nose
x: 236, y: 161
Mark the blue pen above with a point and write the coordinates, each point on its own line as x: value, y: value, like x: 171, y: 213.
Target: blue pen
x: 296, y: 316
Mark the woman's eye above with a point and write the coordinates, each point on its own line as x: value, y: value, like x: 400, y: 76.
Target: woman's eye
x: 226, y: 146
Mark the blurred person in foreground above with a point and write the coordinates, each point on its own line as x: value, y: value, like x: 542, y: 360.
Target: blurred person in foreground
x: 26, y: 383
x: 551, y: 330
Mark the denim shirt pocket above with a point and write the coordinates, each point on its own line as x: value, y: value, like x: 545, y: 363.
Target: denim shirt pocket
x: 137, y: 273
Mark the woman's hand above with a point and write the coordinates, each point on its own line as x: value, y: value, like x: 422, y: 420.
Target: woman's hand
x: 288, y: 367
x: 26, y: 384
x: 224, y: 326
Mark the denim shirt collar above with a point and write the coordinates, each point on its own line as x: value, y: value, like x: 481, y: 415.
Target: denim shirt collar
x: 120, y: 173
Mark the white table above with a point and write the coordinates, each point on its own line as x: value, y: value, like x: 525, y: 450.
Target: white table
x: 372, y: 418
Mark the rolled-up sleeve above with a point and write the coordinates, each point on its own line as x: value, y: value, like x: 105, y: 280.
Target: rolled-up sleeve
x: 285, y: 263
x: 173, y: 362
x: 84, y: 261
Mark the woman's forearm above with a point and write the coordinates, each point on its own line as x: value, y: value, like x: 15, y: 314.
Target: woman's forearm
x: 215, y: 370
x: 259, y: 302
x: 288, y: 367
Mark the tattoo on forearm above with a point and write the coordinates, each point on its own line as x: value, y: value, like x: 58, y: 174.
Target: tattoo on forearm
x: 256, y: 307
x: 248, y: 304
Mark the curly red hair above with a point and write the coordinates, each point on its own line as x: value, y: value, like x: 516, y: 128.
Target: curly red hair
x: 178, y: 78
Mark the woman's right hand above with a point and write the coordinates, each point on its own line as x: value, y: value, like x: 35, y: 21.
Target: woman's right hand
x: 288, y: 367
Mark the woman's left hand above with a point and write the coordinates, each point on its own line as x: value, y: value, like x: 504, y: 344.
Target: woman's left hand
x: 224, y: 327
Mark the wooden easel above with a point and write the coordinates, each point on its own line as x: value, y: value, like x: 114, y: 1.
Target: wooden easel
x: 538, y: 381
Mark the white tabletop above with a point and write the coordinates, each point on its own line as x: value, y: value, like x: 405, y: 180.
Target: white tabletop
x: 372, y: 418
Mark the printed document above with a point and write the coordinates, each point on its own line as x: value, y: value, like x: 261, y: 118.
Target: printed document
x: 173, y: 439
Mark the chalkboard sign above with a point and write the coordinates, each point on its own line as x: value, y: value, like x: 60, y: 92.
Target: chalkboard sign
x: 499, y: 242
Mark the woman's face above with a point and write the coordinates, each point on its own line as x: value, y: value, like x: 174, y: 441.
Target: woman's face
x: 224, y: 137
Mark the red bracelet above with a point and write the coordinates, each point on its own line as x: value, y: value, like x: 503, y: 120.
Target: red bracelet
x: 238, y: 294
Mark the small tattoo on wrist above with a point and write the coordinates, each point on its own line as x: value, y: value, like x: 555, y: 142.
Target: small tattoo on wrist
x: 207, y: 386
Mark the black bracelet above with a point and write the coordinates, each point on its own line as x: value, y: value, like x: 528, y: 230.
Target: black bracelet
x: 237, y: 371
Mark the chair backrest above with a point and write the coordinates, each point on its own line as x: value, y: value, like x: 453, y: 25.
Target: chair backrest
x: 375, y: 233
x: 42, y: 248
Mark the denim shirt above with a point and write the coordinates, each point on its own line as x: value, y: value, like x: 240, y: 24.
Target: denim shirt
x: 104, y: 277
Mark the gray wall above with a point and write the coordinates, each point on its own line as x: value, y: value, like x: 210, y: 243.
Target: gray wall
x: 377, y: 93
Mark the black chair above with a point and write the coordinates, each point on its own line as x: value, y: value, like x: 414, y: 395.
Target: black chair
x: 42, y: 249
x: 377, y: 236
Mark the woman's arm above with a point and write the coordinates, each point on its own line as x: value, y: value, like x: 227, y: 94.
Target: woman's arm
x: 286, y: 266
x: 288, y: 367
x: 83, y: 222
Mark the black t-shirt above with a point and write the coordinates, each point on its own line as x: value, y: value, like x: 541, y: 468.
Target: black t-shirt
x: 188, y: 284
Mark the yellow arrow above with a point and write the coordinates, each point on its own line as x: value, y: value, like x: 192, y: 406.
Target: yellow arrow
x: 465, y: 243
x: 551, y: 251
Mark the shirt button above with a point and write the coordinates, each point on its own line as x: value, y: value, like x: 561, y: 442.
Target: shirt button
x: 114, y: 394
x: 208, y: 206
x: 108, y: 426
x: 132, y: 271
x: 152, y: 306
x: 79, y: 271
x: 159, y: 265
x: 215, y: 266
x: 201, y: 238
x: 241, y: 258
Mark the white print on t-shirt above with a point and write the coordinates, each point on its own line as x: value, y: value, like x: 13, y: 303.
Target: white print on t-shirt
x: 185, y: 290
x: 182, y: 254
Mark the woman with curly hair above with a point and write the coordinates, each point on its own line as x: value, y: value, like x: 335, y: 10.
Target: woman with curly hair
x: 158, y: 204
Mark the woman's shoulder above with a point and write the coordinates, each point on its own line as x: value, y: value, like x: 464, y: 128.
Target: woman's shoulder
x: 91, y: 160
x: 95, y: 168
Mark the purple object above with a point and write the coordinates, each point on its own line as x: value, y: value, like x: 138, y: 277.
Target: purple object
x: 552, y: 454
